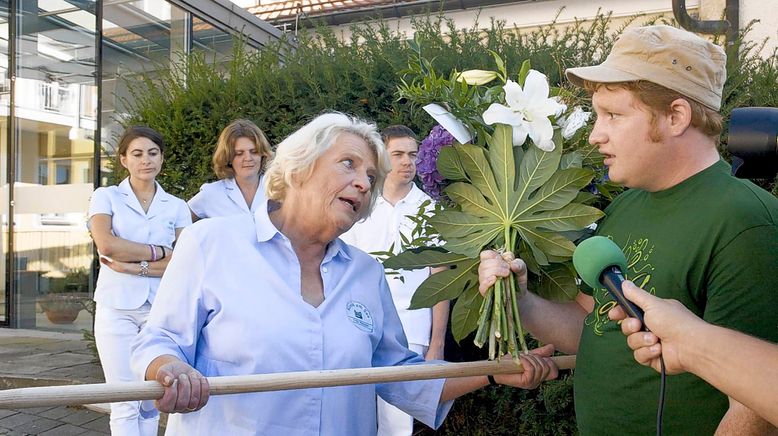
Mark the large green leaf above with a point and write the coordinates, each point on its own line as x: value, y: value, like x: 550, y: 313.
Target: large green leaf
x: 423, y: 258
x: 480, y: 173
x: 446, y: 285
x: 470, y: 199
x: 557, y: 282
x: 449, y: 166
x: 464, y: 315
x: 494, y: 203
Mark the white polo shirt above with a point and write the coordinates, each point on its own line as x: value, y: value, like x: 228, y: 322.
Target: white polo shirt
x: 128, y: 221
x: 377, y: 233
x: 223, y: 198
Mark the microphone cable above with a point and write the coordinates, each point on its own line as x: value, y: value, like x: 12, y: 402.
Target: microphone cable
x: 660, y: 410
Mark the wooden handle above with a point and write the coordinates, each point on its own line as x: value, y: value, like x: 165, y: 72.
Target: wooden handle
x: 151, y: 390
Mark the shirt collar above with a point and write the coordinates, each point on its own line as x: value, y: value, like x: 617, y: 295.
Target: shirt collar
x: 126, y: 189
x: 413, y: 195
x: 266, y: 231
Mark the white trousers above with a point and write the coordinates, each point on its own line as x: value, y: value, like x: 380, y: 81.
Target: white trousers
x: 391, y: 420
x: 115, y: 330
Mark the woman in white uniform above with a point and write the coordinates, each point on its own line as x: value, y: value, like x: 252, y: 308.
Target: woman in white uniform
x: 134, y: 226
x: 278, y: 291
x: 242, y: 153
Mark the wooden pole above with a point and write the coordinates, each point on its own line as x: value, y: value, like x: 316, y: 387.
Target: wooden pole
x: 151, y: 390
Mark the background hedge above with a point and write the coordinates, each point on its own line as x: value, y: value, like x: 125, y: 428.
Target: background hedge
x: 280, y: 88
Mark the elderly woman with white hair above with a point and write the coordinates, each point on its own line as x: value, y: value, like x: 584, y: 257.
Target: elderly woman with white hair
x: 278, y: 291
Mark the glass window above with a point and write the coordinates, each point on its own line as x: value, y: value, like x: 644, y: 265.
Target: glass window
x: 55, y: 107
x: 138, y: 37
x: 5, y: 88
x: 214, y: 43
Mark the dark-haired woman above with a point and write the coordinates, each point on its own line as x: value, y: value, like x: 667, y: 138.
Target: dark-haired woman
x: 242, y: 153
x: 134, y: 226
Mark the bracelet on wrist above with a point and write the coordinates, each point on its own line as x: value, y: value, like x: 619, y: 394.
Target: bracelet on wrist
x: 164, y: 254
x: 153, y: 253
x: 144, y: 268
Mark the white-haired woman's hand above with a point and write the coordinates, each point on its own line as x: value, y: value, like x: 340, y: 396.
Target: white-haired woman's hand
x: 186, y: 390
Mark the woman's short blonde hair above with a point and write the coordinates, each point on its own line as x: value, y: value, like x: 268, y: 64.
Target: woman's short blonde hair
x: 225, y: 147
x: 296, y: 155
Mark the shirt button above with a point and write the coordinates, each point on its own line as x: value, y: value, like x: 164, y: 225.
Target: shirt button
x: 324, y: 269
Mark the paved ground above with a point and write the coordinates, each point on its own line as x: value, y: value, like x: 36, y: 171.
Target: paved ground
x: 54, y: 421
x: 31, y: 358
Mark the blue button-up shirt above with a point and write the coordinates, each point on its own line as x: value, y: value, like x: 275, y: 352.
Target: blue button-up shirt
x: 230, y: 304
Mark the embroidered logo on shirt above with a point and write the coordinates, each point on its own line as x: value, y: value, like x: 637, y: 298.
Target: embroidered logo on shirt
x: 359, y: 316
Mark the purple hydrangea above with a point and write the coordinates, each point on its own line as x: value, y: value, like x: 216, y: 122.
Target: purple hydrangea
x: 426, y: 161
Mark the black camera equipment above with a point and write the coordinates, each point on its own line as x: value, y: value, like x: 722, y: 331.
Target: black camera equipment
x: 753, y: 142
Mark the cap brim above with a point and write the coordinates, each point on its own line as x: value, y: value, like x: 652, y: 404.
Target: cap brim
x: 598, y: 74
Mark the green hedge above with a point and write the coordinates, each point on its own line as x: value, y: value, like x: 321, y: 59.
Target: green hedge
x: 280, y: 88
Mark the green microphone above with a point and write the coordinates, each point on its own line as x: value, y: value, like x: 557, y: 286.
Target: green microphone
x: 600, y: 262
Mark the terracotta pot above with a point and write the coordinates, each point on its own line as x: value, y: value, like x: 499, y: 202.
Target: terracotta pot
x: 62, y: 316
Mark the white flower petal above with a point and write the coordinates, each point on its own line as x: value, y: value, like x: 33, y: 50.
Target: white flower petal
x: 476, y: 77
x: 497, y: 113
x: 547, y: 146
x: 573, y: 122
x: 541, y: 131
x: 561, y: 108
x: 536, y: 87
x: 449, y: 122
x: 519, y: 134
x: 514, y: 96
x: 548, y: 107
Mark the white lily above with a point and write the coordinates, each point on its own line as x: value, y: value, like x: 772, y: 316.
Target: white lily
x: 449, y: 122
x: 570, y: 124
x: 527, y: 111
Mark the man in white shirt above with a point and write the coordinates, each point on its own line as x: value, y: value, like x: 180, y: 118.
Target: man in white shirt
x: 424, y: 328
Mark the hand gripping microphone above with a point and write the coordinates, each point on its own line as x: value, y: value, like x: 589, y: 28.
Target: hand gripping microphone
x: 600, y: 262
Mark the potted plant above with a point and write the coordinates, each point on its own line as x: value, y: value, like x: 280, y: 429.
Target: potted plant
x: 67, y: 297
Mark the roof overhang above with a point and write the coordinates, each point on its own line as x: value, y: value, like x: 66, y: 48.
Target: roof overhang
x: 233, y: 19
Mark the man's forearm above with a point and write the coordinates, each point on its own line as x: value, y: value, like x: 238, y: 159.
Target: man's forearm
x: 739, y: 365
x: 552, y: 322
x: 439, y: 324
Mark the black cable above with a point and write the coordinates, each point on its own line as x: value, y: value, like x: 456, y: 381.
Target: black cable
x: 660, y: 410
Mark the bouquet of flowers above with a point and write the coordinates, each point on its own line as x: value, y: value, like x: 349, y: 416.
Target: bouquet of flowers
x: 499, y: 169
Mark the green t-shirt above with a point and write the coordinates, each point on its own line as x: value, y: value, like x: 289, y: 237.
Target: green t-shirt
x: 710, y: 242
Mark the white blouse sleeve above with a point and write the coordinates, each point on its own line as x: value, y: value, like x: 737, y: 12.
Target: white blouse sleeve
x: 178, y: 313
x: 197, y: 203
x: 100, y: 203
x: 419, y: 399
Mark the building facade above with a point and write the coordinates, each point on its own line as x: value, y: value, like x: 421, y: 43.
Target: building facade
x: 62, y: 65
x: 524, y: 15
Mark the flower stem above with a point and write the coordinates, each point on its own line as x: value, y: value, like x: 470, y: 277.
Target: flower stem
x: 481, y: 335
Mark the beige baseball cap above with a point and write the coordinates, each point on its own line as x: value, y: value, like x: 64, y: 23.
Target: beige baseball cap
x: 671, y: 57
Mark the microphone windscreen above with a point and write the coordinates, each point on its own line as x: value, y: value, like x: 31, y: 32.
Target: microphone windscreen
x: 595, y: 254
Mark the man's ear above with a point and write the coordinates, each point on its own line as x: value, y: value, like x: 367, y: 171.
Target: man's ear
x: 680, y: 116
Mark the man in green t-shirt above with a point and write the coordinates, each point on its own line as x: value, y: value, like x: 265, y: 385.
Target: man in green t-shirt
x: 690, y: 231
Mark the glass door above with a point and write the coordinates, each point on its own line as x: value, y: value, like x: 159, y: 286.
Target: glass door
x: 54, y: 126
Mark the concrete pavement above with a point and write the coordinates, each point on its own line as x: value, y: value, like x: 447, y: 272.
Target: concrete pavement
x: 31, y: 358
